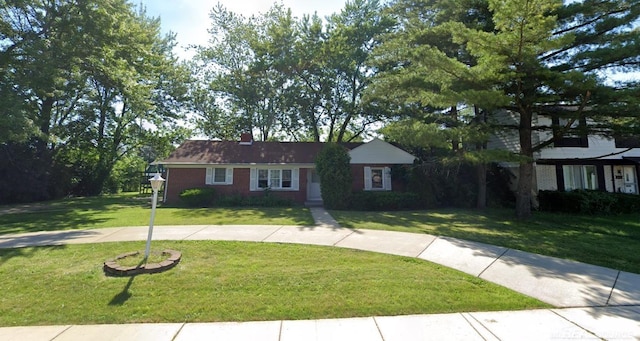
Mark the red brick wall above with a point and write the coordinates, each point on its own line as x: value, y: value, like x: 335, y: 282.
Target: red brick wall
x: 185, y: 178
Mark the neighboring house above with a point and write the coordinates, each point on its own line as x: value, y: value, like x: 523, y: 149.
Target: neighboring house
x: 287, y: 169
x: 578, y: 161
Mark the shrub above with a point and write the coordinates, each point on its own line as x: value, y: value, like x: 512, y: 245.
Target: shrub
x: 198, y: 197
x: 267, y: 200
x: 388, y: 201
x: 588, y: 202
x: 332, y: 164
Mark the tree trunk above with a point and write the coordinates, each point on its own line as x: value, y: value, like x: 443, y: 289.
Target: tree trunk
x: 481, y: 171
x: 525, y: 178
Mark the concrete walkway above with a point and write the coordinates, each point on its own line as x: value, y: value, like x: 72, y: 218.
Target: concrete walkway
x: 592, y: 302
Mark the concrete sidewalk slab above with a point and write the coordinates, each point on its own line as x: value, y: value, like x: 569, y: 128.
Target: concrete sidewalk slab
x: 331, y: 330
x: 626, y: 290
x: 560, y: 282
x: 122, y: 332
x: 35, y: 333
x: 531, y: 325
x: 138, y: 233
x: 322, y: 218
x: 395, y: 243
x: 48, y: 238
x: 240, y: 331
x: 249, y: 233
x: 427, y: 327
x: 469, y: 257
x: 315, y: 235
x: 612, y: 323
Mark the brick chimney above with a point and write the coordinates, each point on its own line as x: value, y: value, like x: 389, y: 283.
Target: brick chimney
x: 246, y: 139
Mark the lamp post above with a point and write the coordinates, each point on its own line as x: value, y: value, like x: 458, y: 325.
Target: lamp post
x: 156, y: 182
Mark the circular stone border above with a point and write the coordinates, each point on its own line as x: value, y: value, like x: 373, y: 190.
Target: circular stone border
x: 112, y: 268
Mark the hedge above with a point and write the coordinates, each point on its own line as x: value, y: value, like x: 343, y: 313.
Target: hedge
x: 388, y: 201
x: 588, y: 202
x: 198, y: 197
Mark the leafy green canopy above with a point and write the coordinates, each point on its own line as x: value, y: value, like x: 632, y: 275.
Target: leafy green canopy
x: 87, y: 83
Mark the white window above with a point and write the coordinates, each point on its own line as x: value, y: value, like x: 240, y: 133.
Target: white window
x: 377, y: 179
x: 219, y: 176
x: 580, y: 177
x: 274, y: 178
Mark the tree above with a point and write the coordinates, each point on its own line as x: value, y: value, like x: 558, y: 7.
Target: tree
x: 334, y: 169
x: 89, y: 79
x: 545, y: 58
x: 435, y: 98
x: 287, y: 78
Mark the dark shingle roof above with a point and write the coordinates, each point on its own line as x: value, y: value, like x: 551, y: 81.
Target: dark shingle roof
x: 232, y: 152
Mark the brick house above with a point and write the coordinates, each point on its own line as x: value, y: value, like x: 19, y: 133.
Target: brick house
x: 287, y: 169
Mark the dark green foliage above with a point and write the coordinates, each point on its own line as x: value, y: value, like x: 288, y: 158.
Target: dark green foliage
x: 333, y: 167
x: 589, y: 202
x: 198, y: 197
x: 385, y: 201
x: 267, y: 200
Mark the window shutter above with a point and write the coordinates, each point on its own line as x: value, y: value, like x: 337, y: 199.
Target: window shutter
x: 253, y: 179
x: 387, y: 178
x: 295, y: 179
x: 229, y: 177
x: 367, y: 178
x: 208, y: 179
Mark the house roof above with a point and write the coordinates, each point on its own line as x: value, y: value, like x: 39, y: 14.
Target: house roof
x: 258, y: 152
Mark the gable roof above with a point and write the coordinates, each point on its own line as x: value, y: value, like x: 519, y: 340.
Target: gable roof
x: 378, y: 151
x: 203, y: 152
x: 258, y: 152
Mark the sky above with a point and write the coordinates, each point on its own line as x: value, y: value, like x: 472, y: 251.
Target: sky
x: 189, y: 19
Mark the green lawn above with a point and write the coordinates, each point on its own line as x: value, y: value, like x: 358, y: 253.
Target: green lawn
x: 134, y: 210
x: 234, y: 281
x: 611, y: 241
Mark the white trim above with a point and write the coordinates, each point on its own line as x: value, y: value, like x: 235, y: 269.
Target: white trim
x: 367, y: 178
x: 253, y: 179
x: 210, y: 176
x: 386, y: 178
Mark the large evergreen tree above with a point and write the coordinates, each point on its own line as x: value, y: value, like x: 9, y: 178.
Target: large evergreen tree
x: 543, y: 57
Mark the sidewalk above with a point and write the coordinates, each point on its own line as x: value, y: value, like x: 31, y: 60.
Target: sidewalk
x: 592, y: 302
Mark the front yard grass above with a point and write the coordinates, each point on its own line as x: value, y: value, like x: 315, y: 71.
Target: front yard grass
x: 131, y: 209
x: 233, y: 281
x: 610, y: 241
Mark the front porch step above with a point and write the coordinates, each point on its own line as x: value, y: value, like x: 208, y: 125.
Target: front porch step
x: 313, y: 203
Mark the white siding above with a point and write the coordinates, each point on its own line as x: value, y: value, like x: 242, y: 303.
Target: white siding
x: 546, y: 177
x: 608, y: 179
x: 379, y: 152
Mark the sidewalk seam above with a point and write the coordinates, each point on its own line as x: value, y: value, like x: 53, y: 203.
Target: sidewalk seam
x: 343, y: 238
x: 62, y: 332
x: 200, y: 230
x: 493, y: 262
x: 375, y: 321
x: 426, y: 247
x: 179, y: 331
x: 272, y: 233
x: 575, y: 324
x: 613, y: 287
x: 464, y: 315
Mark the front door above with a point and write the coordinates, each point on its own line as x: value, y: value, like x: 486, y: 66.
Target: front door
x: 630, y: 179
x: 313, y: 185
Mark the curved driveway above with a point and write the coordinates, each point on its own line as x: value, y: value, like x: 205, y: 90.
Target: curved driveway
x: 592, y: 301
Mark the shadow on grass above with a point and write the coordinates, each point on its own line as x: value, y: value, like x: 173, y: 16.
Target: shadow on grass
x: 65, y: 214
x: 123, y: 296
x: 26, y: 252
x: 605, y: 241
x: 299, y: 215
